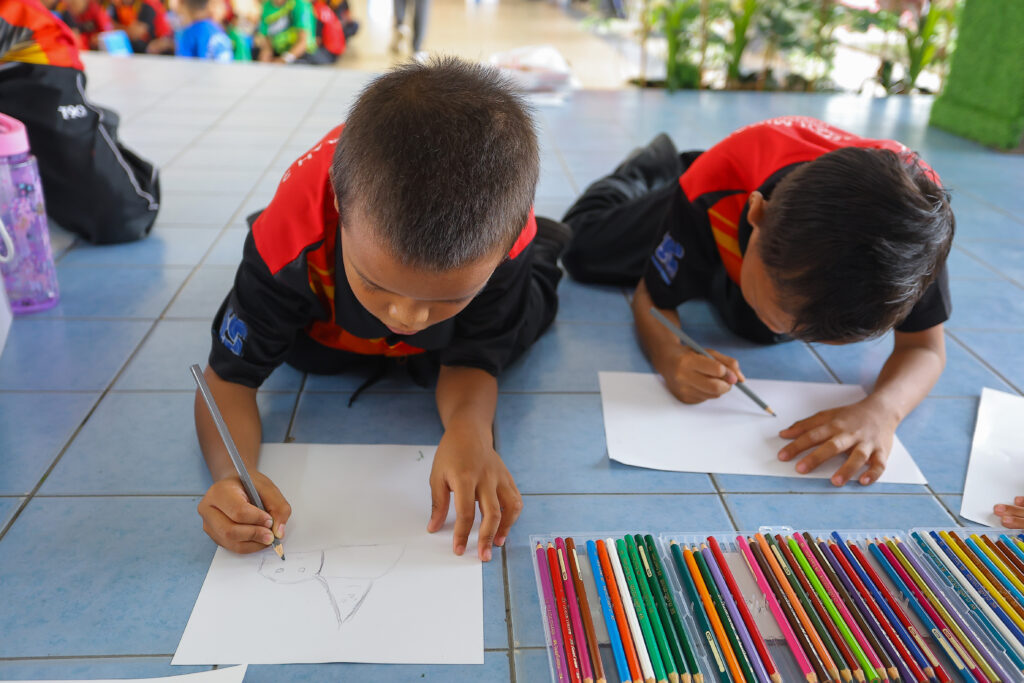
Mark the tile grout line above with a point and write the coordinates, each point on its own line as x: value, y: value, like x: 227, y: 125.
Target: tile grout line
x: 985, y: 363
x: 508, y: 614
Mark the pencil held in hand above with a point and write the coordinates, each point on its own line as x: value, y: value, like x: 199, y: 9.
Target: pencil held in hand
x: 685, y: 338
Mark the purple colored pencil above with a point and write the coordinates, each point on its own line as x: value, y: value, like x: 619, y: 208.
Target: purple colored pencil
x: 964, y: 626
x: 737, y: 618
x: 552, y: 614
x: 869, y: 618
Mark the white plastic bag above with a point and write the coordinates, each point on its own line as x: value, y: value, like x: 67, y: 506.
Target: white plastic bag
x: 535, y: 68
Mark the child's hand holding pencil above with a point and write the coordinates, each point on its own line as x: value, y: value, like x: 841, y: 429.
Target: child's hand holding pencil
x: 238, y: 525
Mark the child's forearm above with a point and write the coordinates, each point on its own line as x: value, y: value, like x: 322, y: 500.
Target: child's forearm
x: 910, y: 372
x: 237, y: 404
x: 659, y: 345
x: 466, y: 397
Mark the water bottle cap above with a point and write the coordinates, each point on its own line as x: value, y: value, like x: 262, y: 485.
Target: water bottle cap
x: 13, y: 137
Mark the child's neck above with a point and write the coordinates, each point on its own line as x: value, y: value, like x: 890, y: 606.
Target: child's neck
x: 202, y: 15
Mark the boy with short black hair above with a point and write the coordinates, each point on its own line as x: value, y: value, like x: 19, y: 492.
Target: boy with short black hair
x: 406, y: 233
x: 147, y: 25
x: 792, y: 229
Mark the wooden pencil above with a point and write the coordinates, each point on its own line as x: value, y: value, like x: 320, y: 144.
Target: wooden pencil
x: 755, y: 634
x: 1017, y: 551
x: 997, y: 592
x: 615, y: 551
x: 813, y: 634
x: 640, y: 607
x: 1000, y: 578
x: 697, y: 606
x: 795, y: 647
x: 828, y: 619
x: 572, y: 661
x: 650, y: 611
x: 625, y: 633
x: 1008, y: 556
x: 923, y: 611
x: 963, y: 631
x: 996, y: 563
x: 848, y: 608
x: 918, y: 642
x: 716, y: 621
x: 611, y: 624
x: 551, y: 611
x: 743, y: 647
x: 583, y: 623
x: 683, y: 639
x: 657, y: 606
x: 900, y: 652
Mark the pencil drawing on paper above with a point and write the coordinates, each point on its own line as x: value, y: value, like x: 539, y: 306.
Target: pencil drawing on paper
x: 346, y: 572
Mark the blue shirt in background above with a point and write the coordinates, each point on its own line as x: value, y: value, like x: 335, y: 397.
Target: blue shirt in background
x: 205, y: 40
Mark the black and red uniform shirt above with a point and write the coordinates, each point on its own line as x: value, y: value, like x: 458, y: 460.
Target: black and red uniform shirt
x: 713, y: 232
x: 292, y: 282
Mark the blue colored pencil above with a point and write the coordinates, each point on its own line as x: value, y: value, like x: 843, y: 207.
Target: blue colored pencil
x: 996, y: 571
x: 969, y: 600
x: 609, y: 615
x: 1012, y: 546
x: 897, y: 625
x: 929, y: 624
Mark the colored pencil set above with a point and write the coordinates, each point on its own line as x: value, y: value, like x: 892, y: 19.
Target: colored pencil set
x: 941, y: 606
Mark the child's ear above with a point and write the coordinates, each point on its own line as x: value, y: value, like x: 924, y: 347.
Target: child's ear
x: 756, y: 208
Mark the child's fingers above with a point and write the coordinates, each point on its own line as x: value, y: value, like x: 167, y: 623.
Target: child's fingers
x: 239, y: 538
x: 279, y: 508
x: 876, y: 465
x: 731, y: 363
x: 859, y: 456
x: 440, y: 495
x: 465, y: 510
x: 808, y: 439
x: 235, y: 504
x: 799, y: 427
x: 827, y: 450
x: 490, y: 518
x: 708, y: 387
x: 511, y: 507
x: 1012, y: 516
x: 711, y: 368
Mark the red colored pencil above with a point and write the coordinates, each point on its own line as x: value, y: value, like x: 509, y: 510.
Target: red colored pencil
x: 897, y: 609
x: 748, y: 619
x: 572, y: 659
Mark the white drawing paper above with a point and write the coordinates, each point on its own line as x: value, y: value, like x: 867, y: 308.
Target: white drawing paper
x: 233, y: 674
x: 995, y: 473
x: 362, y: 580
x: 646, y: 426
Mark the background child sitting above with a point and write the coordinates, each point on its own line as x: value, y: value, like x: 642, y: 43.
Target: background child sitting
x: 202, y: 35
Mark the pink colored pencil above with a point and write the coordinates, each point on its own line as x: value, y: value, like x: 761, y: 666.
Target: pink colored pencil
x: 551, y: 610
x: 840, y: 604
x: 773, y: 604
x: 574, y: 612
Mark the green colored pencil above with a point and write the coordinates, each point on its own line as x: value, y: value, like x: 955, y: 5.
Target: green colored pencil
x: 673, y: 612
x: 662, y: 629
x: 840, y: 664
x: 641, y: 611
x: 702, y: 618
x: 830, y: 607
x: 723, y: 614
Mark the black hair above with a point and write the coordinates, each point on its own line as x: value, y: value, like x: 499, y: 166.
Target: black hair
x: 441, y: 159
x: 852, y: 240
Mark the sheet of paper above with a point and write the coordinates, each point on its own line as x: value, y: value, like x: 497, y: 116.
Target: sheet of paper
x: 5, y: 317
x: 362, y: 580
x: 233, y: 674
x: 995, y: 473
x: 645, y: 426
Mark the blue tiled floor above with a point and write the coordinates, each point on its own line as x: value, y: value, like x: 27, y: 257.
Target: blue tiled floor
x: 99, y: 570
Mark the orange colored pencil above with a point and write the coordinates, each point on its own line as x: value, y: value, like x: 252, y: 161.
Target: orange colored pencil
x: 716, y: 623
x: 620, y: 614
x: 812, y: 633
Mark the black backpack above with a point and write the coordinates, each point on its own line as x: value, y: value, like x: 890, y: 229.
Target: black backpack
x: 93, y: 185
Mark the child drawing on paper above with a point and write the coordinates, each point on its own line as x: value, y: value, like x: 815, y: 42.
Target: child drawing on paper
x: 346, y: 572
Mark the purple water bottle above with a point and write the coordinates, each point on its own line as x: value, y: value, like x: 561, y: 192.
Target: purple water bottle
x: 25, y: 258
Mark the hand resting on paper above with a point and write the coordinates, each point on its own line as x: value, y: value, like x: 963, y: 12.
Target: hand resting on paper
x: 1012, y: 516
x: 238, y: 525
x: 467, y: 466
x: 862, y: 430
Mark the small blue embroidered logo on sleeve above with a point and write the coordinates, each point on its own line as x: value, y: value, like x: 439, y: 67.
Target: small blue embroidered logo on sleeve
x: 666, y: 258
x: 233, y: 332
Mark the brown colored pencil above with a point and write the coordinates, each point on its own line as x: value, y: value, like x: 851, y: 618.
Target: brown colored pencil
x: 588, y: 620
x: 987, y: 573
x: 1007, y: 556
